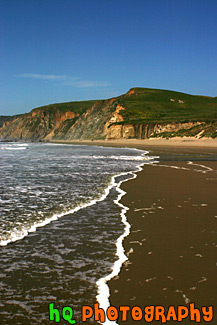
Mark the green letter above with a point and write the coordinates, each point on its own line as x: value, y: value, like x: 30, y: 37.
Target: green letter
x: 54, y: 311
x: 68, y: 316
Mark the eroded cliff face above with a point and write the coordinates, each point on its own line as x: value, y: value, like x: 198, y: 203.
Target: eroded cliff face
x: 41, y: 124
x: 91, y: 125
x: 104, y: 119
x: 96, y: 123
x: 36, y: 125
x: 147, y: 130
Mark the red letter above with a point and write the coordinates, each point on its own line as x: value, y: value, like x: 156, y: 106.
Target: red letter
x: 171, y: 313
x: 208, y: 315
x: 99, y: 313
x: 160, y: 312
x: 181, y: 315
x: 112, y: 313
x: 86, y: 315
x: 194, y: 312
x: 149, y: 314
x: 124, y: 310
x: 136, y: 313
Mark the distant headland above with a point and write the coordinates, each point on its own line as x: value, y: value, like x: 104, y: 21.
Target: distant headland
x: 141, y: 113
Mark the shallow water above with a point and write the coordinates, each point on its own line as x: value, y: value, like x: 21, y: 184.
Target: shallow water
x: 59, y: 262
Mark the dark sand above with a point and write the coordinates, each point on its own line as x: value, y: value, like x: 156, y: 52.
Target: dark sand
x: 172, y: 245
x: 173, y: 241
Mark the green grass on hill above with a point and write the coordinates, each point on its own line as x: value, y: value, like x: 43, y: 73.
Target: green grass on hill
x: 76, y: 107
x: 152, y: 105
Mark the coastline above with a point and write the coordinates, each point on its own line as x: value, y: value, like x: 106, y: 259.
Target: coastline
x: 160, y: 204
x: 171, y: 247
x: 103, y: 296
x: 73, y: 224
x: 147, y: 143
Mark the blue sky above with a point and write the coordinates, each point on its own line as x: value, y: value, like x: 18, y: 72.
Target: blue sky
x: 65, y: 50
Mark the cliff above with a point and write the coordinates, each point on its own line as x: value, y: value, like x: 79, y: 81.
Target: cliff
x: 140, y: 113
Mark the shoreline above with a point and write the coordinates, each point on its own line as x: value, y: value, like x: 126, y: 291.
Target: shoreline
x: 113, y: 183
x: 121, y: 290
x: 147, y: 143
x: 103, y: 296
x: 163, y: 267
x: 187, y: 168
x: 170, y: 207
x: 93, y: 201
x: 171, y: 246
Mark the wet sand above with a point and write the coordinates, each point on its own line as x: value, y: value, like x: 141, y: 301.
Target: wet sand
x: 172, y: 246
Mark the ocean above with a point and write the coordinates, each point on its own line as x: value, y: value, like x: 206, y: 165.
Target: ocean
x: 61, y: 226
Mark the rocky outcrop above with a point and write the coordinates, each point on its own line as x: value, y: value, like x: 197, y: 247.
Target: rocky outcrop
x: 53, y: 123
x: 147, y: 130
x: 93, y: 123
x: 125, y: 131
x: 103, y: 119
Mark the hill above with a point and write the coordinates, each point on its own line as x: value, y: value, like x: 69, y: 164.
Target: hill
x: 140, y: 113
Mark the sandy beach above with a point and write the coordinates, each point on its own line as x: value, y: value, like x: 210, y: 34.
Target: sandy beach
x: 188, y: 142
x: 172, y: 245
